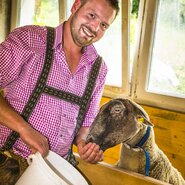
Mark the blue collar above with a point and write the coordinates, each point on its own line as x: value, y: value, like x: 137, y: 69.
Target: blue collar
x: 147, y: 155
x: 144, y: 138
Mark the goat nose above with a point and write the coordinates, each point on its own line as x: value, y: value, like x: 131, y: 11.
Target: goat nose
x: 89, y: 139
x: 116, y: 109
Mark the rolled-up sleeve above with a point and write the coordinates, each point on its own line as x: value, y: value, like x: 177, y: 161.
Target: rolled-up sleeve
x: 13, y: 53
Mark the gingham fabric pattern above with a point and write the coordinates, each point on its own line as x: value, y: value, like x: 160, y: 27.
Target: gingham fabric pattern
x: 21, y: 61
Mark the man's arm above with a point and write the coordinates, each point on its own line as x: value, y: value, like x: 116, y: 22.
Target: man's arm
x: 12, y: 120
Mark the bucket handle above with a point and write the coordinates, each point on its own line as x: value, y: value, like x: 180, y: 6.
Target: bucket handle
x: 31, y: 158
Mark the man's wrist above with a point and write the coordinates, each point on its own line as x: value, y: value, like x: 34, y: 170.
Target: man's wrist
x: 80, y: 142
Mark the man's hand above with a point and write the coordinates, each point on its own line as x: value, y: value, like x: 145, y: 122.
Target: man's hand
x: 34, y: 140
x: 31, y: 137
x: 89, y: 152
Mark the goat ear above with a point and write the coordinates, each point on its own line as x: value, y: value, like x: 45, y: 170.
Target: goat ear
x: 128, y: 104
x: 141, y: 114
x: 138, y: 110
x: 147, y: 122
x: 144, y: 120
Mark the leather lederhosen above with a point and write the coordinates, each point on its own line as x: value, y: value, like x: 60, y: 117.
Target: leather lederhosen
x: 41, y: 87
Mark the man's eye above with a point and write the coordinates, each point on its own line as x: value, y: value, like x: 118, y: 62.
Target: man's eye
x: 92, y: 15
x: 104, y: 26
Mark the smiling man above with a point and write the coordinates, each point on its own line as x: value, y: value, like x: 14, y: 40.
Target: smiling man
x: 88, y: 24
x: 53, y: 81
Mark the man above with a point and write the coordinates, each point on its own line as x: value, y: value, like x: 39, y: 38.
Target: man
x: 51, y: 124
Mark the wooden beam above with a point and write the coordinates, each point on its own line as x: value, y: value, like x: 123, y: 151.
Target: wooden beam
x: 104, y: 174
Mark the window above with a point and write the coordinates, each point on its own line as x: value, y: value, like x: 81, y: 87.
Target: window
x: 159, y: 68
x: 155, y: 75
x: 111, y: 52
x: 168, y: 53
x: 113, y: 47
x: 38, y: 12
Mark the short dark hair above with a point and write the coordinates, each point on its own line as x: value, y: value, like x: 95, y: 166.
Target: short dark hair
x: 113, y: 3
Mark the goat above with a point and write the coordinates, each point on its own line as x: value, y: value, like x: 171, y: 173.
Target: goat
x: 124, y: 121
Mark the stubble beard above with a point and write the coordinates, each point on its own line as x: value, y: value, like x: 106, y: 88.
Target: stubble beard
x: 76, y: 36
x: 78, y: 39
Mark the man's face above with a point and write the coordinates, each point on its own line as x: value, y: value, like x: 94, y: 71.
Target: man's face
x: 90, y: 21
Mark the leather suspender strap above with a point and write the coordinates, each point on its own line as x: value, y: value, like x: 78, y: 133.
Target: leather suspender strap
x: 84, y: 105
x: 38, y: 88
x: 41, y: 83
x: 85, y: 100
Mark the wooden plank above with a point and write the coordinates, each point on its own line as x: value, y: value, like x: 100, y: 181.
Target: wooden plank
x: 104, y: 174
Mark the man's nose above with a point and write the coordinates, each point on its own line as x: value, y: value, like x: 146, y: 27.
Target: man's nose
x: 96, y: 25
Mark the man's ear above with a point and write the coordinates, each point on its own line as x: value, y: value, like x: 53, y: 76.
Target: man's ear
x: 75, y: 5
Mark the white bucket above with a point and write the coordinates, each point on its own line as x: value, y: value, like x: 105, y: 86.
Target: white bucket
x: 52, y: 170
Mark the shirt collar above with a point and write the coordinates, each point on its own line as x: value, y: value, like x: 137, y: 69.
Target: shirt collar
x: 58, y: 36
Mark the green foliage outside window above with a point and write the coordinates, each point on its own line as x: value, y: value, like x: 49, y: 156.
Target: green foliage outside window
x: 46, y: 12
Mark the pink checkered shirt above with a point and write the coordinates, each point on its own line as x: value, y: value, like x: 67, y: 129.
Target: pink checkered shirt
x: 21, y: 61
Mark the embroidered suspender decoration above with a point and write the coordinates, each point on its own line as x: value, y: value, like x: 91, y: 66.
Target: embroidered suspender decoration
x: 41, y: 87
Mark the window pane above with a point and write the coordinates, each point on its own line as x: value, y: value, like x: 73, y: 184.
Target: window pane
x: 39, y: 12
x: 167, y: 70
x: 69, y: 5
x: 109, y: 47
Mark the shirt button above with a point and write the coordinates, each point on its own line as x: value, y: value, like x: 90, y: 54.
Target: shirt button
x: 64, y: 115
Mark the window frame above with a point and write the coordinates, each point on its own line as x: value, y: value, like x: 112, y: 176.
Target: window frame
x: 142, y: 58
x: 15, y: 12
x: 112, y: 91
